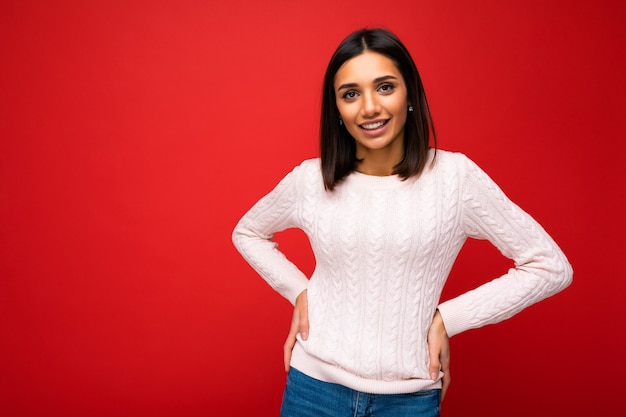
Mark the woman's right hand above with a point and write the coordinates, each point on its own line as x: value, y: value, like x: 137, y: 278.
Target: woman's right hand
x: 439, y: 351
x: 299, y: 325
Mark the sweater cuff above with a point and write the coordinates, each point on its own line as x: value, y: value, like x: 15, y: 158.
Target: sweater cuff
x: 294, y: 291
x: 454, y: 321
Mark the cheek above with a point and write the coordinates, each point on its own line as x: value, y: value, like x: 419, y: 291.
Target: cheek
x: 398, y: 104
x: 399, y: 109
x: 352, y: 129
x: 402, y: 115
x: 344, y: 111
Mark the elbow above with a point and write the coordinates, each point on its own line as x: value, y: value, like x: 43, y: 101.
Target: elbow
x: 563, y: 274
x: 245, y: 238
x: 236, y: 236
x: 567, y: 274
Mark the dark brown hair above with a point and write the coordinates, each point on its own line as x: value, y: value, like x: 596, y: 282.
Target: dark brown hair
x: 337, y: 146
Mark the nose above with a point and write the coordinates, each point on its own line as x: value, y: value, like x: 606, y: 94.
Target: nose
x: 371, y: 106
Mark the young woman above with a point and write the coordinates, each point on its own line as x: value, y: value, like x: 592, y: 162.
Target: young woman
x: 386, y: 215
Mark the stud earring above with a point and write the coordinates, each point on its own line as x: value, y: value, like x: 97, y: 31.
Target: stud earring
x: 410, y: 108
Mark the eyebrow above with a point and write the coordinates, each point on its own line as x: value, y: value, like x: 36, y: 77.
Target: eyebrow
x: 376, y: 80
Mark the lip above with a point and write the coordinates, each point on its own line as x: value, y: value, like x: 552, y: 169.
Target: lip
x: 378, y: 130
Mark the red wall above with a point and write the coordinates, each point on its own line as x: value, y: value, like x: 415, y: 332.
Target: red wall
x: 134, y: 134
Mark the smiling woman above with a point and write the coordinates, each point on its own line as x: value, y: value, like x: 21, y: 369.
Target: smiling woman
x: 372, y: 102
x: 386, y: 221
x: 135, y: 134
x: 364, y: 63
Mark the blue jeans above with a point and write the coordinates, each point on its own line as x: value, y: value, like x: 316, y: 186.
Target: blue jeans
x: 308, y: 397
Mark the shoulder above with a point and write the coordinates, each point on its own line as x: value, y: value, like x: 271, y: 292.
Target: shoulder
x: 311, y: 165
x: 470, y: 176
x: 309, y: 169
x: 451, y: 157
x: 450, y: 162
x: 306, y: 174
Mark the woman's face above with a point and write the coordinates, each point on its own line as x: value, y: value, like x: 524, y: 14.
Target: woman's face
x: 372, y: 102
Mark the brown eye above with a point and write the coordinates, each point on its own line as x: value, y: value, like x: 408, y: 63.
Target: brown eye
x: 386, y: 88
x: 348, y: 95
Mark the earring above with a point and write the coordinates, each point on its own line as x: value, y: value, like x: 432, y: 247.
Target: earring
x: 410, y: 108
x: 340, y: 121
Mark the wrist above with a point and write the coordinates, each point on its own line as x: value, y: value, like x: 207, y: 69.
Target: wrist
x: 438, y: 323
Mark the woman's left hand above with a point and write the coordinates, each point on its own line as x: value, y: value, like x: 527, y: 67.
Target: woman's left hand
x: 439, y: 351
x: 299, y: 325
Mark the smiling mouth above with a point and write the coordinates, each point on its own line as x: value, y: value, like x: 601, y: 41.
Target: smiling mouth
x: 374, y: 126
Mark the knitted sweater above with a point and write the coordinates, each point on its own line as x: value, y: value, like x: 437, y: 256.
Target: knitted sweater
x: 384, y: 248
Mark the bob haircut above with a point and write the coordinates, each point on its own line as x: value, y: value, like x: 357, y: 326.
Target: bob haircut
x: 337, y: 146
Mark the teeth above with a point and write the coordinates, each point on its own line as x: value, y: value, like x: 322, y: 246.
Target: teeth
x: 372, y: 126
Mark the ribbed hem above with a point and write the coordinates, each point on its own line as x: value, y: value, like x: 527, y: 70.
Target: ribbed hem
x: 323, y: 371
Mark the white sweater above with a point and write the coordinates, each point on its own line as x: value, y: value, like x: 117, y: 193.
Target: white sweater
x: 383, y: 249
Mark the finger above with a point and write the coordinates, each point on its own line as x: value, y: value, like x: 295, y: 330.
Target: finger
x: 446, y: 383
x: 289, y: 344
x: 303, y: 324
x: 445, y: 368
x: 287, y: 348
x: 299, y: 325
x: 302, y: 311
x: 435, y: 365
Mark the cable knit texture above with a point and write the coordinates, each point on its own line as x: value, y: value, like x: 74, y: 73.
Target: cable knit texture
x: 384, y: 248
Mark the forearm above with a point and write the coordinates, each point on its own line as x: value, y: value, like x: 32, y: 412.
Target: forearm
x: 262, y: 253
x: 254, y: 233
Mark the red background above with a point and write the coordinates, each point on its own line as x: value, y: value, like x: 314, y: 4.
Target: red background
x: 134, y: 134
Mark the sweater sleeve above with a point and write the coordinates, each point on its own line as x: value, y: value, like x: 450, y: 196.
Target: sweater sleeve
x: 254, y: 233
x: 540, y: 267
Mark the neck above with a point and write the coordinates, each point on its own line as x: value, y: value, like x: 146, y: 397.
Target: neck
x: 379, y: 170
x: 379, y: 162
